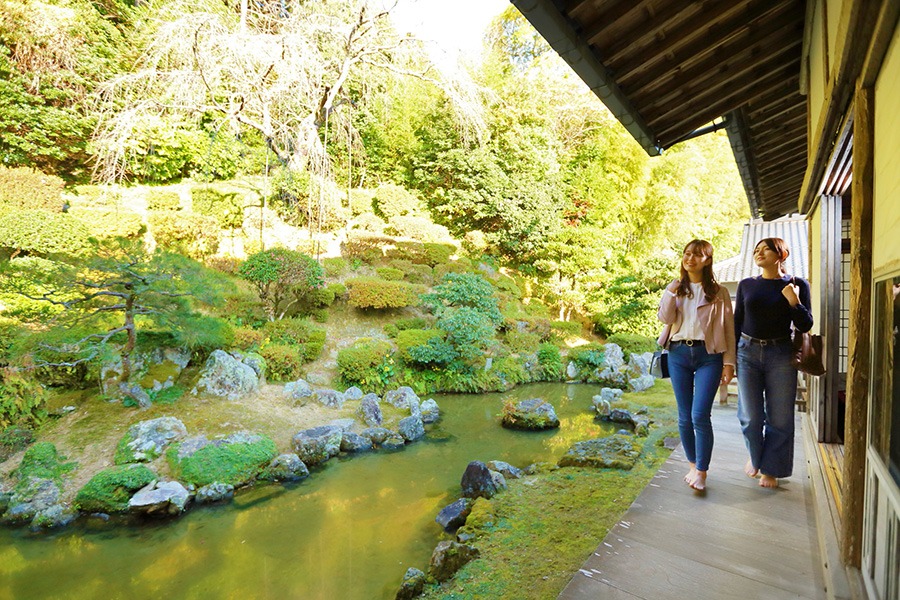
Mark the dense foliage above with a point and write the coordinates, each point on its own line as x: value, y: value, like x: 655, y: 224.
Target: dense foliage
x: 281, y: 278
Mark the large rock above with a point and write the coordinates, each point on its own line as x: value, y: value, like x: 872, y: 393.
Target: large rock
x: 638, y: 364
x: 394, y: 442
x: 29, y: 500
x: 479, y: 481
x: 531, y: 414
x: 399, y: 398
x: 611, y: 394
x: 298, y: 392
x: 57, y: 515
x: 345, y: 424
x: 285, y: 467
x: 613, y: 452
x: 370, y: 411
x: 430, y: 411
x: 352, y: 442
x: 236, y: 460
x: 414, y: 409
x: 378, y: 434
x: 412, y: 586
x: 571, y: 370
x: 453, y: 516
x: 621, y: 415
x: 612, y: 371
x: 450, y: 557
x: 110, y: 490
x: 353, y: 393
x: 315, y: 446
x: 214, y: 492
x: 147, y: 440
x: 226, y: 377
x: 641, y: 426
x: 507, y: 470
x: 639, y: 384
x: 601, y: 406
x: 330, y: 398
x: 254, y: 361
x: 411, y: 428
x: 160, y: 499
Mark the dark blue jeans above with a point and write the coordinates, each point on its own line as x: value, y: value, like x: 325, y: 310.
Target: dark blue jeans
x: 695, y: 376
x: 767, y: 389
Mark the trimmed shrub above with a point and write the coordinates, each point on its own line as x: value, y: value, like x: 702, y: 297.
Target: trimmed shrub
x: 284, y: 363
x: 507, y: 284
x: 389, y: 273
x: 24, y: 188
x: 224, y: 264
x: 195, y: 235
x: 223, y: 207
x: 109, y: 490
x: 247, y: 338
x: 243, y: 309
x: 366, y: 364
x: 371, y: 292
x: 338, y: 289
x: 335, y: 267
x: 364, y: 246
x: 633, y: 342
x: 393, y: 201
x: 163, y: 200
x: 437, y: 254
x: 550, y: 360
x: 278, y: 273
x: 368, y: 222
x: 321, y: 298
x: 441, y: 271
x: 288, y: 331
x: 410, y: 338
x: 40, y: 232
x: 418, y: 228
x: 312, y: 349
x: 419, y: 274
x: 109, y: 222
x: 361, y: 201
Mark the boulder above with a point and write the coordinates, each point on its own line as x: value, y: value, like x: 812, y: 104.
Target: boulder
x: 285, y: 467
x: 236, y: 460
x: 345, y: 425
x: 412, y: 586
x: 214, y: 492
x: 369, y: 410
x: 160, y: 499
x: 531, y: 414
x: 378, y: 434
x: 479, y: 481
x: 110, y: 490
x: 611, y: 394
x: 352, y: 442
x: 57, y: 515
x: 330, y: 398
x: 256, y: 362
x: 136, y: 393
x: 540, y: 468
x: 613, y: 452
x: 507, y: 470
x: 620, y: 415
x: 414, y: 409
x: 298, y: 392
x: 450, y: 557
x: 399, y: 398
x: 393, y: 442
x: 601, y: 406
x: 147, y: 440
x: 430, y: 411
x: 453, y: 516
x: 226, y: 377
x: 28, y: 500
x: 638, y: 364
x: 639, y: 384
x: 411, y: 428
x: 571, y: 370
x: 642, y: 426
x: 353, y: 393
x: 315, y: 446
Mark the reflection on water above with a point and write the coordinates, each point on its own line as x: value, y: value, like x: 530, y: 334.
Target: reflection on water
x: 348, y: 532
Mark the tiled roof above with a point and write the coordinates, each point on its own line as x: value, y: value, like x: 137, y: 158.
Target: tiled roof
x: 793, y: 229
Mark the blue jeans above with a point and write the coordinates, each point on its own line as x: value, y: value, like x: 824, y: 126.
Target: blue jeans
x: 767, y: 388
x: 695, y: 376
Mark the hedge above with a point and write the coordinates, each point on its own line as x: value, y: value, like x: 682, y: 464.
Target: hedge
x: 40, y: 232
x: 410, y: 338
x: 371, y: 292
x: 24, y: 188
x: 393, y: 201
x: 417, y: 228
x: 194, y: 235
x: 108, y: 222
x: 162, y: 200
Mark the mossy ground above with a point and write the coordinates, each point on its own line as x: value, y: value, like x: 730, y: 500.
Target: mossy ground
x: 534, y: 536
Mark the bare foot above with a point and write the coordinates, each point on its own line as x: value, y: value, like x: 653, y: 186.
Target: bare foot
x: 690, y: 475
x: 698, y: 481
x: 750, y: 470
x: 767, y: 481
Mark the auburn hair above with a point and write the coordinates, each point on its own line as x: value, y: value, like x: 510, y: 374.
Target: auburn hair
x: 710, y: 286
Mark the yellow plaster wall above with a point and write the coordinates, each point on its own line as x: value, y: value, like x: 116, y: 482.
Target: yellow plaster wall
x: 832, y: 18
x: 815, y: 266
x: 816, y: 73
x: 886, y: 208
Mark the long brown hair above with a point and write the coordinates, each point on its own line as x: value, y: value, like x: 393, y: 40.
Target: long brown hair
x: 710, y: 286
x: 779, y: 247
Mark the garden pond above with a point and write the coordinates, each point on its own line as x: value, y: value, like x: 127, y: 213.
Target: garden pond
x: 348, y: 532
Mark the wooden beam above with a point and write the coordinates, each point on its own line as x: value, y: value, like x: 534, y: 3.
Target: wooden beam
x: 606, y: 21
x: 789, y: 112
x: 857, y: 412
x: 651, y: 27
x: 767, y: 153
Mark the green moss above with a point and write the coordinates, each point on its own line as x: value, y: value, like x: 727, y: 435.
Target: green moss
x: 110, y: 490
x: 235, y: 464
x: 43, y: 461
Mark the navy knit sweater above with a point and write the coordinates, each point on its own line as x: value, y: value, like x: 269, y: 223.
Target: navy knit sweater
x: 761, y: 311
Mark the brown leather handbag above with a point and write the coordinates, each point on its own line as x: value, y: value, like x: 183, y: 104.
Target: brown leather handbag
x: 807, y: 355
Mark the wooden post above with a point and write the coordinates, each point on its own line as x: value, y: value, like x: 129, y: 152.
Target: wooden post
x: 857, y: 414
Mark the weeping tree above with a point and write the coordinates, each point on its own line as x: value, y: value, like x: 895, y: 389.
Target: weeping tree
x: 111, y: 293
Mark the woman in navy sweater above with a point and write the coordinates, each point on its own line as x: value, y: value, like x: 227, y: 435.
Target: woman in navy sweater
x: 765, y: 309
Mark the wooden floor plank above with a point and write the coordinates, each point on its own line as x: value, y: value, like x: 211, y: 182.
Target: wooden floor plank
x: 737, y: 540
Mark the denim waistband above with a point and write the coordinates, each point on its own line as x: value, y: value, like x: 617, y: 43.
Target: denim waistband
x: 689, y: 342
x: 773, y: 342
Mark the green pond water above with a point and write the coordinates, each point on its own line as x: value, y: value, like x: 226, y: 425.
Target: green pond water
x: 349, y: 532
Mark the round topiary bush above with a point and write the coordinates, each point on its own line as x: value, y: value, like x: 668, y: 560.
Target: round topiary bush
x: 394, y: 201
x: 40, y: 232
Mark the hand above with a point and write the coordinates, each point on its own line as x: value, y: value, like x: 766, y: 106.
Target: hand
x: 673, y: 286
x: 727, y: 374
x: 790, y: 292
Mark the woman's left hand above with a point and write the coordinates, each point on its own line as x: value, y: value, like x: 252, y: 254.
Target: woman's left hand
x: 727, y: 374
x: 790, y: 292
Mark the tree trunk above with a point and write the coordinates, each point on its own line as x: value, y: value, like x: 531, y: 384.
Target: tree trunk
x: 131, y: 340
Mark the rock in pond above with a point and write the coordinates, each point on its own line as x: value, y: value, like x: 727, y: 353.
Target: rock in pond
x: 479, y: 481
x: 378, y: 434
x: 352, y: 442
x: 147, y: 440
x: 614, y: 452
x: 642, y: 426
x: 411, y: 428
x: 531, y: 414
x: 226, y: 377
x: 237, y: 459
x: 29, y: 500
x: 450, y: 557
x: 160, y: 499
x: 453, y: 516
x: 353, y: 393
x: 285, y: 467
x: 412, y: 586
x: 393, y: 442
x: 507, y: 470
x: 430, y: 411
x: 298, y: 392
x: 110, y: 490
x: 399, y: 398
x: 330, y: 398
x: 370, y: 411
x: 57, y: 515
x: 620, y: 415
x: 601, y: 406
x: 315, y: 446
x: 214, y: 492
